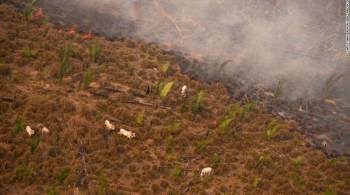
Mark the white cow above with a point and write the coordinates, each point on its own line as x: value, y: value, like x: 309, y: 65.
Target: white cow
x: 45, y: 130
x: 206, y: 171
x: 109, y: 125
x: 30, y: 131
x: 127, y: 133
x: 183, y: 91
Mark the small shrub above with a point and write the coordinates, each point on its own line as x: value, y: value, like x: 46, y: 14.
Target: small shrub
x: 246, y: 109
x: 66, y: 54
x: 34, y: 143
x: 19, y: 125
x: 298, y: 161
x: 23, y: 171
x: 238, y: 112
x: 234, y: 111
x: 157, y: 87
x: 165, y: 68
x: 256, y: 182
x: 53, y: 191
x: 170, y: 156
x: 298, y: 181
x: 29, y: 9
x: 102, y: 184
x: 329, y: 192
x: 249, y: 107
x: 88, y: 77
x: 95, y: 52
x: 337, y: 161
x: 98, y: 116
x: 201, y: 145
x: 173, y: 128
x: 197, y: 102
x: 46, y: 72
x: 140, y: 117
x: 177, y: 172
x: 272, y: 128
x: 215, y: 160
x: 166, y: 89
x: 29, y: 53
x: 224, y: 126
x: 271, y: 132
x: 63, y: 70
x: 259, y: 161
x: 63, y: 175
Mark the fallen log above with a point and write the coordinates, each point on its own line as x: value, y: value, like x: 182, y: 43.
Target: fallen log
x: 113, y: 89
x: 139, y: 101
x: 7, y: 99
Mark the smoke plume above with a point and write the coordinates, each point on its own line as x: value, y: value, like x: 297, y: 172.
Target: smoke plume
x: 300, y: 43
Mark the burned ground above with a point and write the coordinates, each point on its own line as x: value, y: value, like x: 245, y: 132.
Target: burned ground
x: 251, y: 151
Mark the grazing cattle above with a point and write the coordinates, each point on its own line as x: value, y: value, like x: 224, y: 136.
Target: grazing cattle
x: 45, y: 130
x: 183, y: 91
x: 30, y: 131
x: 109, y: 125
x: 206, y: 171
x: 126, y: 133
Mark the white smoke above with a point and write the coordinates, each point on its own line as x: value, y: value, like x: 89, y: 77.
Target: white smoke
x: 298, y: 41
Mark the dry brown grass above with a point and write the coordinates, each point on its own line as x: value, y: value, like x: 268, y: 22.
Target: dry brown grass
x: 171, y: 145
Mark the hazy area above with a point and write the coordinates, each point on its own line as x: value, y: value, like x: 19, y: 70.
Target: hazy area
x: 300, y: 43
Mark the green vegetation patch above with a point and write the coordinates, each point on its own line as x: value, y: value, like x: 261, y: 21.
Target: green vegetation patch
x: 23, y: 171
x: 272, y: 128
x: 19, y: 125
x: 197, y: 102
x: 29, y: 53
x: 177, y: 172
x: 166, y: 89
x: 63, y: 175
x: 35, y: 141
x: 65, y: 56
x: 95, y: 52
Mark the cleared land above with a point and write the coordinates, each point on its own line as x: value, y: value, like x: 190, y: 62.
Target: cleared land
x: 50, y: 77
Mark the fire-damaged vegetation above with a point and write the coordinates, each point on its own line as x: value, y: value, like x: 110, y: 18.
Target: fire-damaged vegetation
x: 70, y: 84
